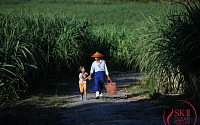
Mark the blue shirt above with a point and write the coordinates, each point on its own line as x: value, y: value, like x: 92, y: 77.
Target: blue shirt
x: 99, y: 67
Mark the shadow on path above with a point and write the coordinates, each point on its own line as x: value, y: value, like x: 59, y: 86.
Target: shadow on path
x: 115, y: 110
x: 115, y: 113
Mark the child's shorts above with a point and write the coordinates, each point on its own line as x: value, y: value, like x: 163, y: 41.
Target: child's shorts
x: 82, y: 87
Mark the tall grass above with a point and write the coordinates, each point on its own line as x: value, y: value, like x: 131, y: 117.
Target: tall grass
x: 39, y: 47
x: 15, y: 60
x: 13, y: 1
x: 169, y: 52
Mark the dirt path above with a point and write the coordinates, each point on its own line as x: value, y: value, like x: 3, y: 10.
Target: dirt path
x: 116, y: 110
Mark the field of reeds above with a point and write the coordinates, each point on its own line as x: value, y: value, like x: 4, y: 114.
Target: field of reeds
x: 50, y: 39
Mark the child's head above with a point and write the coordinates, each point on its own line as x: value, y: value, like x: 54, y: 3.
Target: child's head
x: 82, y: 69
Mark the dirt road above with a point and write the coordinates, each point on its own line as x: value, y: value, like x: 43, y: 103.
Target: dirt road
x: 116, y: 110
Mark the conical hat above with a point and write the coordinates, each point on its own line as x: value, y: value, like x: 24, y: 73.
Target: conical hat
x: 97, y: 54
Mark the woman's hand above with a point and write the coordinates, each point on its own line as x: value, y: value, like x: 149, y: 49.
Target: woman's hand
x: 89, y: 78
x: 108, y: 77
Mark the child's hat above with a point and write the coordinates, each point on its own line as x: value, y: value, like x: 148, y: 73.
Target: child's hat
x: 97, y: 54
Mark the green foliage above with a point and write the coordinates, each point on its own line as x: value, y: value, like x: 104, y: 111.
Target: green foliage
x: 150, y: 1
x: 38, y: 47
x: 38, y: 41
x: 13, y: 1
x: 182, y: 41
x: 15, y: 60
x: 104, y: 14
x: 170, y: 51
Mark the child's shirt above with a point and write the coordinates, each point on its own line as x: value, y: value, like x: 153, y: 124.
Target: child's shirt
x: 84, y: 76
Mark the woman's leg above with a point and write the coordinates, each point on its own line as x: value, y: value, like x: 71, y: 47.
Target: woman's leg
x: 99, y: 80
x: 96, y: 80
x: 97, y: 93
x: 101, y: 89
x: 101, y: 83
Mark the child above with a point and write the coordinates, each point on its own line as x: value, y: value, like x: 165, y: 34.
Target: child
x: 82, y: 82
x: 100, y: 69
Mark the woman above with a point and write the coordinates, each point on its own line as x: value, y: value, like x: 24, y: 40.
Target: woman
x: 100, y: 69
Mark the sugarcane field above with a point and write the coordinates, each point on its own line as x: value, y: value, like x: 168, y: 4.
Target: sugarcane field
x: 99, y: 62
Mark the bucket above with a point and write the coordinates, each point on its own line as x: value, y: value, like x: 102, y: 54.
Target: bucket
x: 111, y: 88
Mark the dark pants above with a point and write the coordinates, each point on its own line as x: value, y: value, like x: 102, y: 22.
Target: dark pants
x: 99, y: 81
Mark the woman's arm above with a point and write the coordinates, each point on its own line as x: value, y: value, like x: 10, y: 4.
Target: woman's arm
x: 106, y: 71
x: 91, y: 70
x: 108, y: 77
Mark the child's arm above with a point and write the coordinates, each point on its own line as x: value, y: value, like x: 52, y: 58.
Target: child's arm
x: 89, y: 78
x: 84, y: 79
